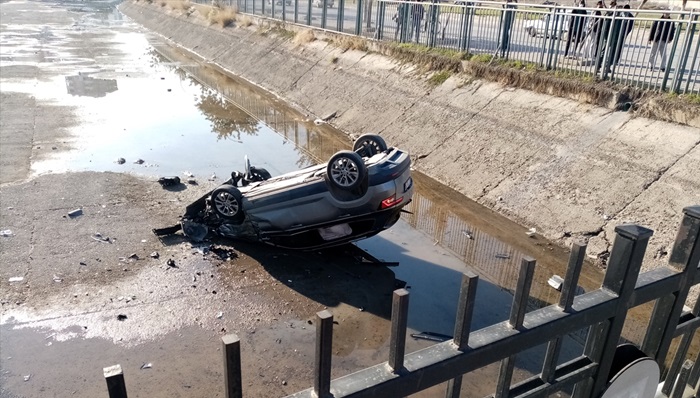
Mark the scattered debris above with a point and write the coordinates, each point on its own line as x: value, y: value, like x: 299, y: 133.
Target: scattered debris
x: 75, y: 213
x: 661, y: 252
x: 503, y: 255
x: 27, y: 377
x: 219, y: 315
x: 16, y: 279
x: 188, y: 174
x: 57, y: 279
x: 193, y: 230
x: 83, y: 263
x: 284, y: 382
x: 121, y: 161
x: 556, y: 282
x: 98, y: 237
x: 213, y: 177
x: 171, y: 263
x: 6, y: 232
x: 606, y: 217
x: 155, y: 255
x: 147, y: 365
x: 223, y: 253
x: 531, y: 232
x: 139, y: 161
x: 468, y: 234
x: 431, y: 336
x: 134, y: 256
x: 121, y: 317
x: 192, y: 181
x: 169, y: 181
x: 318, y: 122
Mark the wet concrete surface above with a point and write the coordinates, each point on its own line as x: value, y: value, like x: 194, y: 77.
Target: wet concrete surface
x: 97, y: 89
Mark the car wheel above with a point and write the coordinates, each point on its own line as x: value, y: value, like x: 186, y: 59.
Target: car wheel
x: 369, y: 144
x: 532, y: 31
x: 226, y: 202
x: 346, y: 170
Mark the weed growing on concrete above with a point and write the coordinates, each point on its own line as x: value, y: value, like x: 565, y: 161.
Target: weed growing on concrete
x: 483, y: 58
x: 438, y: 78
x: 222, y: 16
x: 244, y: 20
x: 279, y: 30
x: 428, y: 59
x: 334, y: 60
x: 183, y: 5
x: 346, y: 43
x: 303, y: 37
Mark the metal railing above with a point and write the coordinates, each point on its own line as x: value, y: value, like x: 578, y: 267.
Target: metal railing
x: 603, y: 312
x: 589, y: 43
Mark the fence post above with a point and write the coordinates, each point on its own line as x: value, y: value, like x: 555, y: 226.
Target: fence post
x: 231, y: 347
x: 685, y: 256
x: 568, y: 292
x: 620, y: 278
x: 465, y: 29
x: 341, y: 15
x: 296, y: 11
x: 308, y: 12
x: 324, y: 13
x: 683, y: 61
x: 399, y: 320
x: 517, y: 316
x: 463, y: 324
x: 381, y: 12
x: 433, y: 11
x: 324, y: 346
x: 682, y: 381
x: 358, y: 19
x: 671, y: 55
x: 115, y: 381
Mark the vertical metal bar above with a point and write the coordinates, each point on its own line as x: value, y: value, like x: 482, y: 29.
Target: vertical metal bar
x: 573, y: 271
x: 682, y: 380
x: 341, y: 15
x: 454, y: 388
x: 465, y: 309
x: 671, y: 56
x: 232, y: 366
x: 621, y: 276
x: 685, y: 256
x: 381, y: 12
x: 324, y: 345
x: 296, y: 11
x: 671, y: 377
x: 505, y: 375
x: 693, y: 68
x: 470, y: 23
x: 522, y: 292
x: 683, y: 61
x: 308, y: 12
x: 399, y: 320
x: 115, y: 381
x: 358, y: 19
x: 568, y: 292
x: 284, y: 10
x: 517, y: 316
x: 324, y: 13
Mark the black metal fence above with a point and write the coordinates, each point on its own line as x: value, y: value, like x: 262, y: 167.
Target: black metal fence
x: 602, y: 312
x: 647, y: 49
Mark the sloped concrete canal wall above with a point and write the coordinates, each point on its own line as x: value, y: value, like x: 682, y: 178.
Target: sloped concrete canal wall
x: 564, y: 167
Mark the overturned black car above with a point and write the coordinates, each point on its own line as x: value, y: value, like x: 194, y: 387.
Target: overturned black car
x: 357, y: 194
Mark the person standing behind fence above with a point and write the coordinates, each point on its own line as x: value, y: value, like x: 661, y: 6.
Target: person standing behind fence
x: 595, y: 23
x: 577, y: 27
x: 399, y: 18
x: 662, y: 32
x: 506, y: 25
x: 417, y: 13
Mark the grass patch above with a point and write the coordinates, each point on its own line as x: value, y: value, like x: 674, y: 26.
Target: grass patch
x: 481, y: 58
x: 244, y: 20
x: 346, y: 43
x: 222, y: 16
x: 428, y: 59
x: 438, y: 78
x: 279, y: 30
x: 182, y: 5
x: 303, y: 37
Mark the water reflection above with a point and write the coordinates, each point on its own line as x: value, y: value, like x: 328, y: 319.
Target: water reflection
x: 227, y: 120
x: 83, y: 85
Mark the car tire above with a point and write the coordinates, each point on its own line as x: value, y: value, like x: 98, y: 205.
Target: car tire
x: 369, y: 144
x: 346, y: 170
x: 227, y: 203
x: 260, y: 174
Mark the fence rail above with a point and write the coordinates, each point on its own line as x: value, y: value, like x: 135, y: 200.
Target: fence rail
x: 602, y: 311
x: 633, y: 47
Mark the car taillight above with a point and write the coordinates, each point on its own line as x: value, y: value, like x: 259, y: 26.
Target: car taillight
x: 391, y: 201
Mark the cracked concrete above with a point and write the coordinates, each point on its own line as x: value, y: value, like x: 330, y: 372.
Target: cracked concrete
x: 568, y: 169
